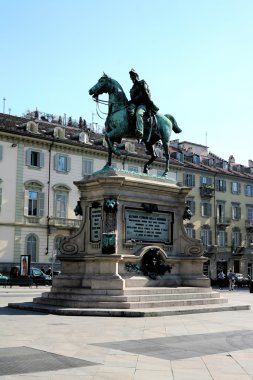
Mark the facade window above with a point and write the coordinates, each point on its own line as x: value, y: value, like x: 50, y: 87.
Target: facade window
x: 87, y: 167
x: 236, y: 239
x: 206, y: 235
x: 34, y: 200
x: 206, y: 181
x: 62, y: 163
x: 61, y: 199
x: 196, y: 159
x: 220, y: 185
x: 249, y: 190
x: 249, y: 238
x: 33, y: 203
x: 220, y: 212
x: 189, y: 180
x: 235, y: 187
x: 206, y: 209
x: 32, y: 247
x: 132, y: 168
x: 34, y: 158
x: 250, y: 213
x: 236, y: 211
x: 180, y: 156
x: 221, y: 238
x: 191, y: 204
x: 190, y: 230
x: 61, y: 204
x: 1, y: 152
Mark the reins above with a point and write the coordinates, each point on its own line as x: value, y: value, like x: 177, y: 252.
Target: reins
x: 105, y: 102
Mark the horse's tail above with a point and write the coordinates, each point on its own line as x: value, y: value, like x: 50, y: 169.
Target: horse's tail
x: 175, y: 127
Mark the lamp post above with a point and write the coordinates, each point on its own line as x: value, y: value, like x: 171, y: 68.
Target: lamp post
x: 4, y: 105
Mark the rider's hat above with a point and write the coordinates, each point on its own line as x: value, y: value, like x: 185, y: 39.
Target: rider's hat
x: 132, y: 71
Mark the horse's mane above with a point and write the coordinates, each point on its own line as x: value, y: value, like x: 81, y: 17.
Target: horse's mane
x: 118, y: 87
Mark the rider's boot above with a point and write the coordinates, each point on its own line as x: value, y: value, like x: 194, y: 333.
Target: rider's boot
x: 138, y: 133
x: 139, y: 126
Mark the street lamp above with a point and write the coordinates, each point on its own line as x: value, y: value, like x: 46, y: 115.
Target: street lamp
x: 4, y: 105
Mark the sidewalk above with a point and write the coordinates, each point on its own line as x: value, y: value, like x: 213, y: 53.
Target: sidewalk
x: 193, y: 347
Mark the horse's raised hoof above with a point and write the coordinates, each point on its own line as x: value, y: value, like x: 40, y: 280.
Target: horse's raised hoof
x: 116, y: 152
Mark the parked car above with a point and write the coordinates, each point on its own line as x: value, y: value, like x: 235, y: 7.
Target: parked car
x: 3, y: 279
x: 241, y: 281
x: 36, y: 277
x: 40, y: 278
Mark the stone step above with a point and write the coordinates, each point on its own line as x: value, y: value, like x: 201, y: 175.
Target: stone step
x: 129, y: 313
x: 131, y: 291
x: 126, y: 305
x: 129, y: 298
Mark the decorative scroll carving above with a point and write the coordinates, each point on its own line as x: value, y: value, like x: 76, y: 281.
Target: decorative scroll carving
x: 68, y: 248
x: 193, y: 250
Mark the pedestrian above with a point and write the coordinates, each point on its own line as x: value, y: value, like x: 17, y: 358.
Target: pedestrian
x: 43, y: 270
x: 49, y: 271
x: 231, y: 279
x: 221, y: 277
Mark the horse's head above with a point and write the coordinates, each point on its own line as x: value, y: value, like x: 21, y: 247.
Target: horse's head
x: 101, y: 86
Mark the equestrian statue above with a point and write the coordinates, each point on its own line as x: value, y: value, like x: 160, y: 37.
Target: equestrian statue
x: 137, y: 118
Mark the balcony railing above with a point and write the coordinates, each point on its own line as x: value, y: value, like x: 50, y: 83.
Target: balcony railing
x: 222, y: 220
x: 206, y: 191
x: 64, y: 222
x: 249, y: 224
x: 32, y: 219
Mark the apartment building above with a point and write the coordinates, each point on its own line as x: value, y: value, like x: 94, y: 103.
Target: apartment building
x: 221, y: 201
x: 40, y: 161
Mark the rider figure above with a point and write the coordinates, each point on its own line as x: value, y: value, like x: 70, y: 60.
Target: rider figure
x: 140, y: 101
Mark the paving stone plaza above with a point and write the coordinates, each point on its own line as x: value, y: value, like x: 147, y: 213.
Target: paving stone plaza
x: 214, y: 345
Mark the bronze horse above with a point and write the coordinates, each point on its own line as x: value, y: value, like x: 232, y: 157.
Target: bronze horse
x: 119, y: 125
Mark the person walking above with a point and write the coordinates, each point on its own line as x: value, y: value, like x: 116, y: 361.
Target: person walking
x: 221, y: 278
x: 231, y: 279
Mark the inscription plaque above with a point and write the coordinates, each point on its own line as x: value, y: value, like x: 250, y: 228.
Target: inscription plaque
x: 95, y: 224
x: 155, y: 226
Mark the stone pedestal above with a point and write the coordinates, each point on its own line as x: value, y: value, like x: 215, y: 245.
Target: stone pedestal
x: 132, y: 235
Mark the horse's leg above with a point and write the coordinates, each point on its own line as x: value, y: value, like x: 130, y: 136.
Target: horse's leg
x: 109, y: 159
x: 150, y: 150
x: 165, y: 127
x: 111, y: 148
x: 167, y: 157
x: 110, y: 138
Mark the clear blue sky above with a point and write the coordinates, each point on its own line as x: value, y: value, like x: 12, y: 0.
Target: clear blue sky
x: 196, y: 56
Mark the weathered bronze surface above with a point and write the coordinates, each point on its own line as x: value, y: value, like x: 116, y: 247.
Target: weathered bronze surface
x: 120, y: 124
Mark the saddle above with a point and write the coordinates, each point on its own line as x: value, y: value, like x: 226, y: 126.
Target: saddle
x: 149, y: 125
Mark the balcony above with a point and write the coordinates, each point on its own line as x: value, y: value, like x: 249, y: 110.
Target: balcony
x: 32, y: 219
x: 249, y: 224
x: 206, y: 191
x: 223, y: 221
x: 71, y: 224
x: 239, y: 251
